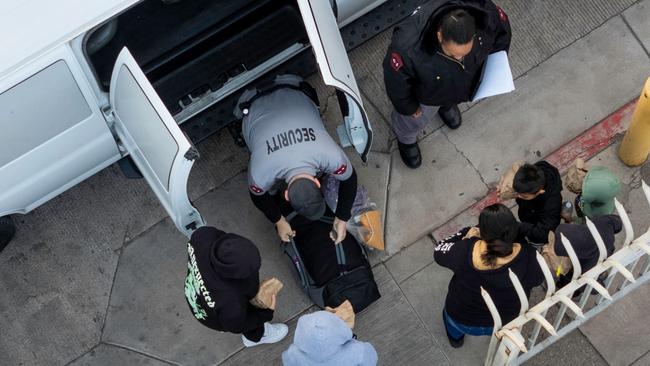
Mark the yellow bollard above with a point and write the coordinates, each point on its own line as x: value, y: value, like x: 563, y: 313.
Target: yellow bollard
x: 635, y: 147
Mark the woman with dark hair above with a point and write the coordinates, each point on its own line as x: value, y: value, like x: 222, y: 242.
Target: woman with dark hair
x: 481, y: 258
x: 435, y: 61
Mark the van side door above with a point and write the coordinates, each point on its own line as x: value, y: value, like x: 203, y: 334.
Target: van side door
x: 335, y: 69
x: 53, y: 134
x: 156, y: 144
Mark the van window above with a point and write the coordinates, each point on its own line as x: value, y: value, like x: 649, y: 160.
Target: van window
x: 38, y: 109
x: 144, y: 124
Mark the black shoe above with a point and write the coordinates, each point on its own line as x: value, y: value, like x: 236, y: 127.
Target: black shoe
x: 451, y: 116
x: 410, y: 154
x: 455, y: 343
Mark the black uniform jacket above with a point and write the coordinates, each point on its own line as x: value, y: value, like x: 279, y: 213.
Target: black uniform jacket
x: 417, y: 72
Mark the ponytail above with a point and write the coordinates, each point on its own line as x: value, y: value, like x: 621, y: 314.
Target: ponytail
x: 496, y: 249
x: 499, y: 230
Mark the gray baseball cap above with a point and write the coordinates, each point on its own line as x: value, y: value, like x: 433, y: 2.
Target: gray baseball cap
x: 306, y: 199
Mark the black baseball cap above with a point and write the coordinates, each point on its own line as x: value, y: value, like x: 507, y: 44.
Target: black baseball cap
x: 306, y: 198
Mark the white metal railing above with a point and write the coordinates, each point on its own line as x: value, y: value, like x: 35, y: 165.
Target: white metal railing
x: 514, y: 342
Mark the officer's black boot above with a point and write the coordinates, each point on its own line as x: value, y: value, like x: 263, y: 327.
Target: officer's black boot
x: 451, y: 116
x: 410, y: 154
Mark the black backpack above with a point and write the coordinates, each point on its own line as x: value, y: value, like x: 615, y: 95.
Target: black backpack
x: 355, y: 284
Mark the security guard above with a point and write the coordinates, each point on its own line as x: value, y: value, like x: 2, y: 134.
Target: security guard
x: 435, y: 59
x: 290, y: 150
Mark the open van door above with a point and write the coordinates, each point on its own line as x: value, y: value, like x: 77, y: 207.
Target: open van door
x: 157, y: 145
x: 335, y: 69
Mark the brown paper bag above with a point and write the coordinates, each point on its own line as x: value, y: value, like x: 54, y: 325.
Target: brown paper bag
x: 268, y: 288
x: 575, y: 175
x: 504, y: 187
x: 558, y: 265
x: 345, y: 312
x: 373, y: 235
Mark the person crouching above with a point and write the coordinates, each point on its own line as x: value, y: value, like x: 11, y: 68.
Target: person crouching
x: 222, y: 279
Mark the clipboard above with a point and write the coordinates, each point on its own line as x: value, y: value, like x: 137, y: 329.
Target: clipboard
x: 496, y: 77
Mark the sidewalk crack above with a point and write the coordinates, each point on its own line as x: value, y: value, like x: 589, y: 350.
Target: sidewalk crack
x: 110, y: 294
x: 83, y: 354
x: 143, y: 353
x: 417, y: 315
x: 636, y: 36
x: 487, y: 186
x: 326, y: 104
x: 374, y: 105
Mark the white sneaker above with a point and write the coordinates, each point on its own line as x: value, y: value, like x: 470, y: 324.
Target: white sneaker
x: 272, y: 333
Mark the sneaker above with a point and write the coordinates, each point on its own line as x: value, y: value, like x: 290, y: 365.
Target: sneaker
x: 273, y: 333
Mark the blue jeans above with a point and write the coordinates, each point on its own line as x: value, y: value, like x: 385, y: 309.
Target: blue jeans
x: 457, y: 330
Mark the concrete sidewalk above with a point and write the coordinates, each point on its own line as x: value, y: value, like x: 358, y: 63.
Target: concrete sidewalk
x: 95, y: 276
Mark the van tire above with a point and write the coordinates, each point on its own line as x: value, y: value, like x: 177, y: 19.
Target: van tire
x: 7, y: 231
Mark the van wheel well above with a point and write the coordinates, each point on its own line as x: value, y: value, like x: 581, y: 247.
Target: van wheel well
x: 7, y: 231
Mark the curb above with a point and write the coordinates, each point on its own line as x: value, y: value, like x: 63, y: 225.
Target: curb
x: 586, y: 145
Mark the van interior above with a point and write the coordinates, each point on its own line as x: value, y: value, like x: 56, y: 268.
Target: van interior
x: 189, y: 48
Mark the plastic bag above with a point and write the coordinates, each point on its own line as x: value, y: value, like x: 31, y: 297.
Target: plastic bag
x: 366, y: 223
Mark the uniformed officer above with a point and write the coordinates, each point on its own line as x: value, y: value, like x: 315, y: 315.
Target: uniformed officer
x: 290, y: 150
x: 435, y: 59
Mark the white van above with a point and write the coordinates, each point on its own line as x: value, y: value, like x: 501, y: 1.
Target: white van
x: 84, y: 83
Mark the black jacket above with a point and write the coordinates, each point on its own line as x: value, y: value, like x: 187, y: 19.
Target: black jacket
x: 417, y: 72
x: 464, y: 302
x: 222, y: 276
x: 583, y: 242
x: 542, y: 214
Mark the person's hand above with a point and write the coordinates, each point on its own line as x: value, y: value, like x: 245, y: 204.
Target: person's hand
x: 284, y: 229
x: 344, y: 311
x: 417, y: 113
x: 340, y: 229
x: 273, y: 301
x: 473, y: 232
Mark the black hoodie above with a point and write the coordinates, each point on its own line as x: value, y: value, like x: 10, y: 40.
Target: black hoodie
x: 417, y: 72
x: 222, y: 276
x: 583, y: 242
x: 464, y: 301
x: 542, y: 214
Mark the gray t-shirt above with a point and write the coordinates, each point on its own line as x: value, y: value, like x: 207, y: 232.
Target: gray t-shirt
x: 286, y: 136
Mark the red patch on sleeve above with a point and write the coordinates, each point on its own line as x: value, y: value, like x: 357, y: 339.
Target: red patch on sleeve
x: 396, y: 61
x: 255, y: 189
x: 341, y: 170
x: 502, y: 14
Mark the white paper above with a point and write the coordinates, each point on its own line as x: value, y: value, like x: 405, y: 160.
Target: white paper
x: 496, y: 78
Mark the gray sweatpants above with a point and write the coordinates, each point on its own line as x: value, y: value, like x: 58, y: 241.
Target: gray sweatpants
x: 406, y: 128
